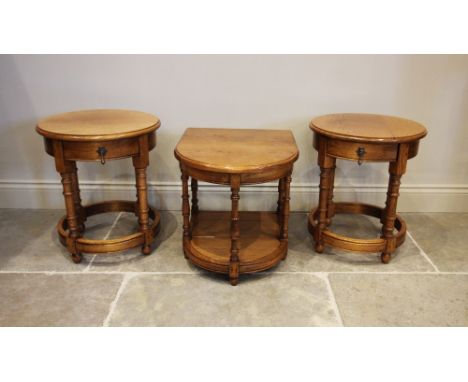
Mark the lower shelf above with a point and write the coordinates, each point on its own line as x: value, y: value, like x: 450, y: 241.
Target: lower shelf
x: 259, y: 244
x: 84, y: 245
x: 353, y: 244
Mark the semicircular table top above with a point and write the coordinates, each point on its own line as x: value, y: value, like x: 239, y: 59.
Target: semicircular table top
x: 368, y: 127
x: 97, y: 125
x: 236, y: 150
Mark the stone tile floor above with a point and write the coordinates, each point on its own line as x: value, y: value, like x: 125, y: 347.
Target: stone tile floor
x: 426, y: 284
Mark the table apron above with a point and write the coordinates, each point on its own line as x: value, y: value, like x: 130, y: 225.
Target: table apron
x: 89, y: 150
x: 267, y: 175
x: 363, y: 151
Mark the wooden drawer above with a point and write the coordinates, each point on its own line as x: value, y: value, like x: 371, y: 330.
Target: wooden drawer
x: 89, y: 151
x: 384, y: 152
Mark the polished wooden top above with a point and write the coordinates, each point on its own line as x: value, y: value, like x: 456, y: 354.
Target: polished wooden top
x: 97, y: 125
x: 236, y: 150
x: 368, y: 127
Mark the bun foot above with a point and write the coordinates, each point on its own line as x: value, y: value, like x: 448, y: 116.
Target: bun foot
x: 234, y: 273
x: 319, y: 248
x: 284, y: 256
x: 385, y: 258
x: 77, y: 257
x: 146, y: 250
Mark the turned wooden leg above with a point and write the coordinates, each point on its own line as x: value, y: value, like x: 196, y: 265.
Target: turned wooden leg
x: 326, y: 164
x: 67, y: 169
x: 330, y: 204
x: 235, y: 231
x: 194, y: 187
x: 389, y: 216
x: 185, y: 210
x: 280, y: 196
x: 143, y: 208
x: 285, y: 212
x: 396, y: 170
x: 137, y: 204
x: 72, y: 216
x: 141, y: 162
x: 80, y: 211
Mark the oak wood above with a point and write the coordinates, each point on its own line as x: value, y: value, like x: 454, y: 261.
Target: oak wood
x: 103, y: 247
x: 396, y: 170
x: 330, y: 203
x: 259, y: 245
x: 376, y: 152
x: 185, y: 208
x: 284, y: 216
x: 218, y: 241
x: 279, y: 203
x: 88, y: 151
x: 97, y: 125
x: 368, y: 127
x: 236, y: 151
x: 326, y: 164
x: 77, y: 199
x: 352, y: 244
x: 362, y: 137
x: 235, y: 230
x: 247, y: 178
x: 72, y: 217
x: 99, y: 135
x: 194, y: 188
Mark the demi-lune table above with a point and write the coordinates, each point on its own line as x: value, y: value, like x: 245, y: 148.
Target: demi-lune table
x: 101, y: 135
x: 235, y: 242
x: 362, y: 138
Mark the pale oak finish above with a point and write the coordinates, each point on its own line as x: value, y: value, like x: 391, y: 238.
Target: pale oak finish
x: 368, y: 127
x: 101, y: 135
x: 236, y: 151
x: 235, y: 242
x: 362, y: 138
x: 97, y: 125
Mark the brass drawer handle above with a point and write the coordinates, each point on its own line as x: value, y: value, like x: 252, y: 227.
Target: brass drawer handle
x: 361, y: 151
x: 102, y: 151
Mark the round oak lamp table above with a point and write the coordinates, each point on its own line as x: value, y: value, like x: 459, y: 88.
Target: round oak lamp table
x: 101, y: 135
x: 362, y: 138
x: 233, y: 242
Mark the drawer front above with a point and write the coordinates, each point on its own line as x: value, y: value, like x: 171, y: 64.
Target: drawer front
x: 104, y: 150
x: 376, y: 152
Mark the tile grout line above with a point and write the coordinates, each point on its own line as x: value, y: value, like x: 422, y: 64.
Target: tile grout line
x: 105, y: 238
x: 336, y: 310
x: 424, y: 254
x: 126, y: 278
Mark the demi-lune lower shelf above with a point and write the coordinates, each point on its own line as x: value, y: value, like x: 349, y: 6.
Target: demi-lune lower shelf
x: 259, y: 244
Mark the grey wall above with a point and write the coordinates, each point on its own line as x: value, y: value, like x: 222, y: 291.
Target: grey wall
x: 252, y: 91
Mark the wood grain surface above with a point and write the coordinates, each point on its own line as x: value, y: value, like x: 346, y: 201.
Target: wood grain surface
x: 97, y: 125
x: 236, y: 151
x: 368, y: 127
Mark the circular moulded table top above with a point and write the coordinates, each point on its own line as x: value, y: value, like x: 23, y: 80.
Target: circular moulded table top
x: 368, y: 127
x: 97, y: 125
x: 236, y: 151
